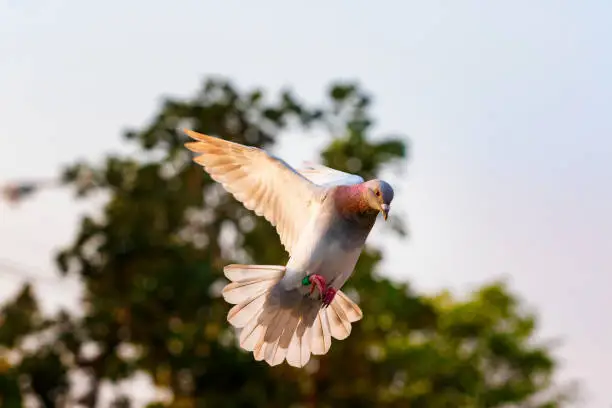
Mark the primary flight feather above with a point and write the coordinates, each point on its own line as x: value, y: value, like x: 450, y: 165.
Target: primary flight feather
x: 323, y: 217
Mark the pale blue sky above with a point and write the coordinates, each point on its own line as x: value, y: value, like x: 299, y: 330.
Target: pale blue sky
x: 507, y: 107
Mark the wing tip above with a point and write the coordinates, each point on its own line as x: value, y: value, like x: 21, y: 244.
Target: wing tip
x: 192, y: 146
x: 195, y: 135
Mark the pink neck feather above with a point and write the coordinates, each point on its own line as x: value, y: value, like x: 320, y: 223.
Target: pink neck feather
x: 350, y: 200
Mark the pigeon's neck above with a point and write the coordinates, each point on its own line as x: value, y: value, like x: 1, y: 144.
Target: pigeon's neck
x: 351, y: 203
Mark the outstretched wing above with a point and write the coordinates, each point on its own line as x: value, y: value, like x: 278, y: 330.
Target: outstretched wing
x: 328, y: 177
x: 262, y: 183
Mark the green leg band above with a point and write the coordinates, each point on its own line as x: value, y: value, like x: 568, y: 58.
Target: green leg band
x: 306, y: 281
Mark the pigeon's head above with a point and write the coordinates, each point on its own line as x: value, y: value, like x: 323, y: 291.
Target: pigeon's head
x: 379, y: 195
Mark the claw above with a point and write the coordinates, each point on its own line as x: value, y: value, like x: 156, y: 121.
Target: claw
x: 329, y: 296
x: 317, y: 281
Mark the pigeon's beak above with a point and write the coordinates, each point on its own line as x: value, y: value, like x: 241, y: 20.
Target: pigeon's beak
x: 384, y: 209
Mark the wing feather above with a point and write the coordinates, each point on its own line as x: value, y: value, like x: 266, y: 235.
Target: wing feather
x: 262, y: 183
x: 327, y: 177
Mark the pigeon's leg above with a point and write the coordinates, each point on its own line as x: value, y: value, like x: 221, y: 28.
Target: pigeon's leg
x: 328, y: 297
x: 315, y: 280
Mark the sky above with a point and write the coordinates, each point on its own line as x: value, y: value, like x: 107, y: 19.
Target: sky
x: 505, y: 105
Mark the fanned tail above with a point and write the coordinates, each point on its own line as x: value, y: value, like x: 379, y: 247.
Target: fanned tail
x: 278, y: 324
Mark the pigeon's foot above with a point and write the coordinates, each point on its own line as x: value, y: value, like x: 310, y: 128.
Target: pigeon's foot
x: 317, y: 281
x: 328, y: 297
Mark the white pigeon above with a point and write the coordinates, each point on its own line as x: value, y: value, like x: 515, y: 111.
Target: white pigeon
x: 323, y: 217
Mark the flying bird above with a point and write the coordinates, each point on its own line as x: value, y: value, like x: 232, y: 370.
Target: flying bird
x: 323, y: 217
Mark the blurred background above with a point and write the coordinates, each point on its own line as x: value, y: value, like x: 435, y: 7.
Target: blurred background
x: 489, y: 288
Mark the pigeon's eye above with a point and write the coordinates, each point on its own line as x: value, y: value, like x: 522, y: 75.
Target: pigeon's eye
x: 377, y: 193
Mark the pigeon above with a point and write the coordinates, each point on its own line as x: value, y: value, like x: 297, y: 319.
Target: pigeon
x: 323, y: 217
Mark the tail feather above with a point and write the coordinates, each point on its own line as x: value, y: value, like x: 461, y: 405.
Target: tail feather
x: 321, y: 334
x: 339, y: 324
x: 236, y: 292
x: 279, y: 325
x: 247, y: 290
x: 239, y: 273
x: 265, y: 340
x: 251, y: 333
x: 298, y: 352
x: 275, y: 352
x: 350, y: 308
x: 284, y: 341
x: 244, y: 312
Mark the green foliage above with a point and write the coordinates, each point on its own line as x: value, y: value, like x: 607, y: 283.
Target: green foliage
x: 10, y: 394
x: 19, y: 318
x: 152, y: 266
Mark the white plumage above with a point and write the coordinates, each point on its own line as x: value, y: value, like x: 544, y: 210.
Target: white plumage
x: 278, y: 317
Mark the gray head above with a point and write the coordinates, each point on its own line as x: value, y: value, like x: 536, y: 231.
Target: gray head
x: 379, y: 195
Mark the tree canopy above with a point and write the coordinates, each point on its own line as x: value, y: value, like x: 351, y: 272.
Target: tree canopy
x: 151, y: 267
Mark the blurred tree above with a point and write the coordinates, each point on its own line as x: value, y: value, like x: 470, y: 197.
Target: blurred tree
x: 22, y: 335
x: 151, y: 266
